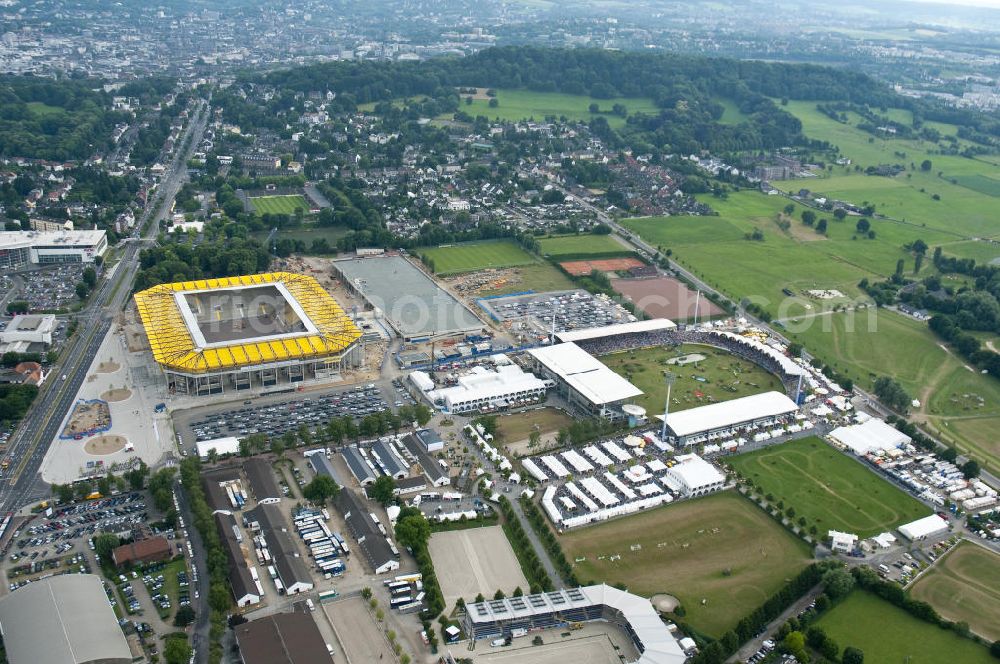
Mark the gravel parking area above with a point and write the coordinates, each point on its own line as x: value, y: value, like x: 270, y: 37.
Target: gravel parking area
x: 357, y: 632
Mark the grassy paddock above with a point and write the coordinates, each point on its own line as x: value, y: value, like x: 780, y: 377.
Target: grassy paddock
x: 472, y: 256
x: 579, y: 245
x: 720, y: 555
x: 888, y: 634
x: 829, y: 489
x: 515, y: 105
x: 725, y: 376
x: 279, y: 204
x: 964, y: 586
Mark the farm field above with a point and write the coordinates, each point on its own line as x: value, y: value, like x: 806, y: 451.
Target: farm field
x: 472, y: 256
x: 577, y: 245
x: 515, y: 105
x: 965, y: 204
x: 829, y: 489
x: 960, y: 405
x: 518, y: 426
x: 720, y: 548
x: 716, y: 250
x: 964, y: 586
x: 725, y: 376
x: 279, y: 204
x: 886, y: 633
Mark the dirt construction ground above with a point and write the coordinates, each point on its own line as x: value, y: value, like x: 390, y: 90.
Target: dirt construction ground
x: 357, y: 631
x: 86, y: 417
x: 473, y: 561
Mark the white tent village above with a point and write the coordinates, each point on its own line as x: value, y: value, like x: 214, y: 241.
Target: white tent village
x: 873, y: 434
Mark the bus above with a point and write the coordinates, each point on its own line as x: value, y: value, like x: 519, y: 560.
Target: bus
x: 394, y: 585
x: 397, y: 602
x: 399, y: 592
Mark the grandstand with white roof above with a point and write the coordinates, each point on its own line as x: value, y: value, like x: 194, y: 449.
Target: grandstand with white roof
x: 635, y: 615
x: 584, y: 381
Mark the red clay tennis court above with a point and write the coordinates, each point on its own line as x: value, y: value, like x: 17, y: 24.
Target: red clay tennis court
x: 583, y: 268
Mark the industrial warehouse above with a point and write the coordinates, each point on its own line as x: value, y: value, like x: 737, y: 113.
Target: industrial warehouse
x: 516, y: 616
x: 244, y: 333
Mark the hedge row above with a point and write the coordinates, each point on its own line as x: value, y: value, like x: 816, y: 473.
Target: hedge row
x: 552, y: 546
x: 717, y: 652
x: 534, y: 571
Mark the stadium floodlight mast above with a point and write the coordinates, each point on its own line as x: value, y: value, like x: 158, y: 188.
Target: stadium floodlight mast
x: 669, y: 378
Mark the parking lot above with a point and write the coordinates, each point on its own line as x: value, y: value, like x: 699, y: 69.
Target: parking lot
x: 279, y: 418
x: 573, y: 310
x: 51, y: 288
x: 64, y: 542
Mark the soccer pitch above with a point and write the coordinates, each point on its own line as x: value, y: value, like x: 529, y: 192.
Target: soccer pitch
x: 472, y: 256
x: 828, y: 489
x: 279, y: 204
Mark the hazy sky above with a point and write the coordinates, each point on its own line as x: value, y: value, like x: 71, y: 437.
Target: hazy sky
x: 971, y: 3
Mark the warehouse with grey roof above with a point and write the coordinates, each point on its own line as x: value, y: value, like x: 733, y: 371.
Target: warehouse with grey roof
x: 64, y: 619
x: 370, y: 535
x: 292, y: 571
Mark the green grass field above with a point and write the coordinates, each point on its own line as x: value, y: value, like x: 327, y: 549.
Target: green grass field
x: 716, y: 250
x: 959, y: 405
x: 888, y: 634
x: 732, y: 115
x: 515, y: 105
x: 279, y: 204
x: 472, y: 256
x: 964, y: 586
x: 862, y: 344
x: 721, y: 549
x: 42, y: 110
x: 829, y: 489
x: 569, y: 245
x: 725, y: 376
x: 307, y: 233
x: 966, y: 205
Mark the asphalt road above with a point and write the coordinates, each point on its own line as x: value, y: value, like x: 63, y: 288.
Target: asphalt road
x: 200, y: 630
x: 40, y: 426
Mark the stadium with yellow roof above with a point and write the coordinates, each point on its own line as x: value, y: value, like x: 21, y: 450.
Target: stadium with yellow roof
x: 246, y: 333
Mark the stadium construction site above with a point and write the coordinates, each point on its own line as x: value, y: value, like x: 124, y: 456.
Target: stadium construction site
x: 249, y: 332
